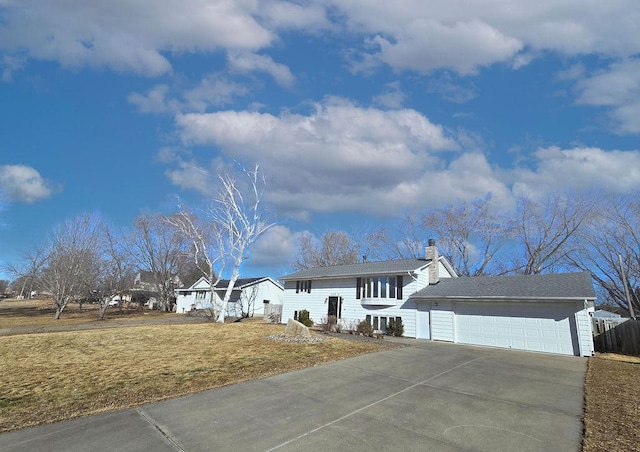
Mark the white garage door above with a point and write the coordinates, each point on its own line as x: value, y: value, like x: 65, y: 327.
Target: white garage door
x: 541, y: 327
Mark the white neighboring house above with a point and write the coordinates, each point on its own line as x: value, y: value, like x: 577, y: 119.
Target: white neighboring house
x: 544, y: 313
x: 252, y: 294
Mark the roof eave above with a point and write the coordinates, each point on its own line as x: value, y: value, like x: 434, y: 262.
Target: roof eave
x: 498, y: 298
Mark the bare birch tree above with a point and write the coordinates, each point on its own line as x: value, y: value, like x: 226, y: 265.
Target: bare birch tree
x: 223, y: 233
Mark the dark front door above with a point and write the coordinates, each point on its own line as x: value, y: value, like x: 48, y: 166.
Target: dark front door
x: 334, y: 307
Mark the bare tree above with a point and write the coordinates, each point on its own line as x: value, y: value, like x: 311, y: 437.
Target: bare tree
x: 469, y: 235
x: 247, y: 301
x: 118, y: 268
x: 333, y: 248
x: 27, y: 270
x: 158, y: 248
x: 408, y: 240
x: 544, y: 229
x: 71, y: 269
x: 223, y: 233
x: 613, y: 231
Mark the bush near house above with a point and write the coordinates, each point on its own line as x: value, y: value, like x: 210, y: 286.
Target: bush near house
x: 395, y: 327
x: 303, y: 317
x: 365, y: 328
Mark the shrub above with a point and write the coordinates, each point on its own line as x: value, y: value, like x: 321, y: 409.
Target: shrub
x: 395, y: 327
x: 303, y: 317
x: 329, y: 323
x: 365, y: 328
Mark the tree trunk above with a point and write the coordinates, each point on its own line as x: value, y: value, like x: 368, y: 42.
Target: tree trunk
x: 227, y: 294
x: 59, y: 310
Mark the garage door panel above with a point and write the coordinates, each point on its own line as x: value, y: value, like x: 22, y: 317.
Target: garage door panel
x: 541, y: 327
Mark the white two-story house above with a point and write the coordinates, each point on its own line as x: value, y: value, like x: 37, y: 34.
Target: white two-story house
x: 546, y: 313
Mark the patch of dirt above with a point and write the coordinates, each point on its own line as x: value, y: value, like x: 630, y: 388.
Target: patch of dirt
x: 612, y: 412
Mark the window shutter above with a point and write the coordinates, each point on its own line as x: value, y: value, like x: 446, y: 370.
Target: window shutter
x: 297, y: 286
x: 309, y: 286
x: 399, y: 287
x: 358, y: 286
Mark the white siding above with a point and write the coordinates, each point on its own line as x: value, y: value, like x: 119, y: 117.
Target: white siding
x: 585, y: 336
x: 442, y: 321
x: 442, y: 271
x: 267, y: 290
x: 353, y: 311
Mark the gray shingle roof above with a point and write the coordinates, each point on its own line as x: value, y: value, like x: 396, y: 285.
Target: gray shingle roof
x: 547, y: 286
x: 360, y: 269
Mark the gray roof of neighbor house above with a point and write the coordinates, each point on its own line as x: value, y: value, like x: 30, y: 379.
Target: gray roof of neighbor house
x: 361, y: 269
x: 243, y: 282
x: 533, y: 287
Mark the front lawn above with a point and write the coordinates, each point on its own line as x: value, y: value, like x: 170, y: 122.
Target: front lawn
x: 48, y: 377
x: 612, y: 413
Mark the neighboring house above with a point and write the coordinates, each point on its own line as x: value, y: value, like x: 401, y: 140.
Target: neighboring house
x: 602, y: 314
x: 144, y: 281
x: 251, y: 293
x: 545, y: 313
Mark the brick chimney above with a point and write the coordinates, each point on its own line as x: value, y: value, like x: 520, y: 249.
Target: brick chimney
x: 431, y: 253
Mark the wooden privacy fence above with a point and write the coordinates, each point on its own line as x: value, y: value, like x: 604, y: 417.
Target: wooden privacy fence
x: 618, y: 336
x: 273, y: 313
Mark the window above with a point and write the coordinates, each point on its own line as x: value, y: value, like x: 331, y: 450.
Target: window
x: 379, y: 287
x: 200, y: 295
x: 303, y: 286
x: 265, y: 301
x: 379, y: 323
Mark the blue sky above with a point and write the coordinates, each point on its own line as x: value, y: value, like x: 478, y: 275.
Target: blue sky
x: 357, y: 111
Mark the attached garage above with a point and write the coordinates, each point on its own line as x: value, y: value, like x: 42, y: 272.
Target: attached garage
x: 541, y: 313
x: 539, y: 327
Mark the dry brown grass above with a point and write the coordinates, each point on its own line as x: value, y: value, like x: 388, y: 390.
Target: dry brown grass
x: 48, y: 377
x: 32, y: 313
x: 612, y: 413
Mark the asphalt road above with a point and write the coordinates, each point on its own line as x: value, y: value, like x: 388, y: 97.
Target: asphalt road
x: 427, y: 396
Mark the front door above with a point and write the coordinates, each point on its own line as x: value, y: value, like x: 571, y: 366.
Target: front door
x: 335, y: 307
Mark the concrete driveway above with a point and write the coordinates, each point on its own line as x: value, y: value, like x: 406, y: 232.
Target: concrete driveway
x: 427, y: 396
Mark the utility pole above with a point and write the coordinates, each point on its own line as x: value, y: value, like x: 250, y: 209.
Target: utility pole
x: 626, y: 288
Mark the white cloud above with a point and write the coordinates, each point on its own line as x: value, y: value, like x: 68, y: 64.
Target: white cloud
x: 309, y: 17
x: 392, y: 96
x: 213, y: 90
x: 579, y: 169
x: 463, y: 35
x: 451, y: 91
x: 251, y: 62
x: 345, y: 158
x: 616, y: 88
x: 463, y: 46
x: 128, y: 36
x: 21, y: 183
x: 153, y: 101
x: 421, y: 35
x: 276, y: 248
